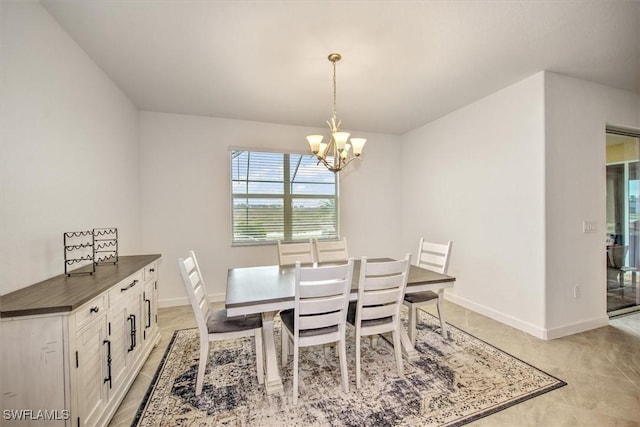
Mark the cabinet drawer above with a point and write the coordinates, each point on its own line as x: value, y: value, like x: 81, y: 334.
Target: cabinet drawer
x: 125, y: 288
x: 150, y: 271
x: 91, y: 310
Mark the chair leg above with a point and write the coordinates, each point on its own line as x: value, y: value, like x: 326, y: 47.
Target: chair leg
x: 284, y: 357
x: 295, y: 374
x: 374, y: 341
x: 357, y: 359
x: 202, y: 366
x: 413, y: 317
x: 343, y: 364
x: 443, y: 324
x: 398, y: 351
x: 259, y: 355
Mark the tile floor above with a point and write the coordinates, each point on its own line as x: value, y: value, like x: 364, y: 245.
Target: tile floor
x: 601, y: 367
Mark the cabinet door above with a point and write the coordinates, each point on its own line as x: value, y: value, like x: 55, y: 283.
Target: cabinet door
x: 133, y: 323
x: 91, y: 365
x: 119, y: 327
x: 124, y: 328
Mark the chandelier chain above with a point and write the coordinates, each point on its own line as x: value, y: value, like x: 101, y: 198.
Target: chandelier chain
x: 334, y: 90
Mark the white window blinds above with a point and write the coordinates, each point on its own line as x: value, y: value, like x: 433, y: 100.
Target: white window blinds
x: 282, y: 196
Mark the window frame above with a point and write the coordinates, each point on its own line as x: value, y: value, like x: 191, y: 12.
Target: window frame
x: 284, y: 196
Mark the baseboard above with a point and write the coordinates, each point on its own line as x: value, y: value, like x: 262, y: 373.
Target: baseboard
x: 174, y: 302
x: 578, y: 327
x: 496, y: 315
x: 542, y: 333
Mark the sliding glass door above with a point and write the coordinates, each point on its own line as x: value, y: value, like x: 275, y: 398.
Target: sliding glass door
x: 623, y: 222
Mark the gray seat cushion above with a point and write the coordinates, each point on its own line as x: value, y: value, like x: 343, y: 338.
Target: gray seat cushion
x: 288, y: 321
x: 351, y: 317
x: 419, y: 297
x: 219, y: 322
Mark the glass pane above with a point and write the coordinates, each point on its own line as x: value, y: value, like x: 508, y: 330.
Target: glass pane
x: 314, y: 219
x: 258, y: 219
x: 257, y: 172
x: 623, y: 222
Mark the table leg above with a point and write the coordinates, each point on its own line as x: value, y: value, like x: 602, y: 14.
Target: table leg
x: 273, y: 382
x: 408, y: 350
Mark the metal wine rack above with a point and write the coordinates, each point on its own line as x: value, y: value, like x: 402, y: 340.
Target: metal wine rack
x: 105, y: 245
x: 78, y: 253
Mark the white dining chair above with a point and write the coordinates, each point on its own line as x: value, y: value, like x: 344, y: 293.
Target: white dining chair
x: 331, y: 250
x: 434, y: 257
x: 289, y: 253
x: 381, y: 288
x: 319, y: 315
x: 216, y: 325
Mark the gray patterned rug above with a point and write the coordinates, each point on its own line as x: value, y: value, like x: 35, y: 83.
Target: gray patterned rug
x: 454, y: 382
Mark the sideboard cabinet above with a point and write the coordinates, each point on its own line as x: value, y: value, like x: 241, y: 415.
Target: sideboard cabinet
x: 72, y: 346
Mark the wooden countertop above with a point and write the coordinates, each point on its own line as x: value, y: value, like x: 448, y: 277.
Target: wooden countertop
x: 64, y: 294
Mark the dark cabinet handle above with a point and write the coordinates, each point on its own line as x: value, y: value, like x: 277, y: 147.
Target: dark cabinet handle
x: 132, y: 320
x: 151, y: 270
x: 94, y: 309
x: 148, y: 325
x: 108, y: 378
x: 131, y: 285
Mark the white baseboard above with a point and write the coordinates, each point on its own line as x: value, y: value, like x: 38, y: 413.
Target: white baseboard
x: 578, y: 327
x: 496, y: 315
x: 542, y: 333
x: 174, y: 302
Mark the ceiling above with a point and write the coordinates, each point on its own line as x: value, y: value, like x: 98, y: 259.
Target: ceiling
x: 405, y: 63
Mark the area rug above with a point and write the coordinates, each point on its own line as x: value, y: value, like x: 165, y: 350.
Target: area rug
x: 454, y: 382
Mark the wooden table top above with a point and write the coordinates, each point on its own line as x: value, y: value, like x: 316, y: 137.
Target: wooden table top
x: 65, y: 294
x: 273, y: 284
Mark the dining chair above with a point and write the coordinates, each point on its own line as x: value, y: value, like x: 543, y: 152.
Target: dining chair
x: 289, y: 253
x: 319, y: 315
x: 434, y: 257
x: 331, y: 250
x: 216, y: 325
x: 381, y: 288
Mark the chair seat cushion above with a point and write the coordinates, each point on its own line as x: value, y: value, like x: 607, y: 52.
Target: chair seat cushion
x: 219, y: 322
x: 351, y: 317
x: 419, y: 297
x: 288, y: 321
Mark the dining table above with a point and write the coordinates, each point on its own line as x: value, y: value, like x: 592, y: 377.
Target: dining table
x: 269, y: 289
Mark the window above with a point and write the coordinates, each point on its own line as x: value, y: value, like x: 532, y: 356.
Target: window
x: 282, y: 196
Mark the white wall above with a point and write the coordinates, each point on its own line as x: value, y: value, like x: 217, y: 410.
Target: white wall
x: 185, y: 194
x: 517, y: 174
x: 69, y: 148
x: 476, y: 177
x: 577, y: 113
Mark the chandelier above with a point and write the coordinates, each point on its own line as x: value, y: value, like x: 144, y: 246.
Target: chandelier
x: 340, y: 150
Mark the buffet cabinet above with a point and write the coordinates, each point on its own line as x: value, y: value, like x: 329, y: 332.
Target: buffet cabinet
x: 72, y: 346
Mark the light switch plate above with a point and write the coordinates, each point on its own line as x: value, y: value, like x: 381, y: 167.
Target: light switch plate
x: 588, y: 226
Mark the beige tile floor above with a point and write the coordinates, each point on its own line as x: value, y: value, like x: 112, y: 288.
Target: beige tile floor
x: 601, y: 367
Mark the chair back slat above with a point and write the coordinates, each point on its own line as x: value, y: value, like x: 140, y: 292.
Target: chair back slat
x: 331, y: 250
x: 434, y: 256
x: 289, y: 253
x: 320, y: 304
x: 390, y: 281
x: 324, y: 320
x: 387, y: 296
x: 310, y: 289
x: 378, y: 311
x: 196, y: 290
